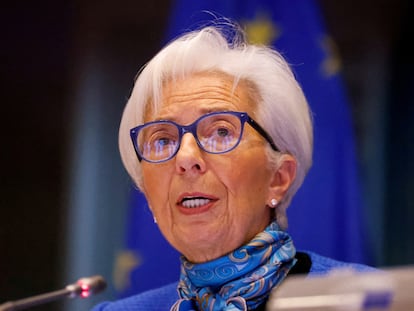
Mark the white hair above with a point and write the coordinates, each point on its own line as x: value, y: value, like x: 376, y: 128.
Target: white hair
x: 282, y: 109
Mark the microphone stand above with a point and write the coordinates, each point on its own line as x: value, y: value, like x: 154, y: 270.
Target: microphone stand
x: 83, y: 288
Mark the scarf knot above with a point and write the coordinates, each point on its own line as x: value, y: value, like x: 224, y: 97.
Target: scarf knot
x: 241, y: 280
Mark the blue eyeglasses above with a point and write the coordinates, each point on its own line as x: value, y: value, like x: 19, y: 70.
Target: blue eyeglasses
x: 216, y: 132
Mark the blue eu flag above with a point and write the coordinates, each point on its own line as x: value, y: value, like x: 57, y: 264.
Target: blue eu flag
x: 326, y: 214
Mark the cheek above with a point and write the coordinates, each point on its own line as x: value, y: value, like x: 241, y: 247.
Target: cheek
x: 156, y: 183
x: 245, y: 175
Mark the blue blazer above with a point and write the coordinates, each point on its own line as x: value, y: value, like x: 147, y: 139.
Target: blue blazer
x: 161, y: 299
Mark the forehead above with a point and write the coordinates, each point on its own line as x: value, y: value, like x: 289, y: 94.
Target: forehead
x: 201, y: 93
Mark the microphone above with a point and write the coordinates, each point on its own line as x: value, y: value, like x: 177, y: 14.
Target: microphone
x: 83, y: 288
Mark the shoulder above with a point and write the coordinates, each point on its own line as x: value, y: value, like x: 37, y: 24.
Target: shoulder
x: 164, y: 297
x: 321, y: 264
x: 157, y: 299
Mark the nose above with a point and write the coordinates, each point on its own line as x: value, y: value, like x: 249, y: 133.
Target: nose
x: 189, y: 158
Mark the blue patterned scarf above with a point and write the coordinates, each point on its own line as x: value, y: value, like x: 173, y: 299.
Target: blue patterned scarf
x: 241, y: 280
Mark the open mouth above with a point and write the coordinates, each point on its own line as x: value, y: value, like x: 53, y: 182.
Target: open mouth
x: 194, y: 202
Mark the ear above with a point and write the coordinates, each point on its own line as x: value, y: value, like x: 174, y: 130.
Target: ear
x: 283, y: 177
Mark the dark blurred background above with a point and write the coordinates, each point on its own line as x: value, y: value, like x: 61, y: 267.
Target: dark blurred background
x: 51, y: 53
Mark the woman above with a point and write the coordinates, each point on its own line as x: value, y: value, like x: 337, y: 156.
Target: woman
x: 218, y: 136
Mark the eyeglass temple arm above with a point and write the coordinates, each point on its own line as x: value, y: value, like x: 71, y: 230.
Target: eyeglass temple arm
x: 262, y: 132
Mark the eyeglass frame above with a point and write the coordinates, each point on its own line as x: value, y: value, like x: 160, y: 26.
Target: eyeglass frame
x: 192, y: 128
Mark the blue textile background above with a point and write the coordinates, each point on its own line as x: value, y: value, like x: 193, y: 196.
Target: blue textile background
x: 326, y: 215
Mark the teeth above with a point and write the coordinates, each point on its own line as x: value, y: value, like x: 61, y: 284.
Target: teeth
x: 191, y: 203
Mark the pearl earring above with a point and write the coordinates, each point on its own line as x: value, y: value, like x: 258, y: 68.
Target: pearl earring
x: 273, y: 202
x: 155, y: 220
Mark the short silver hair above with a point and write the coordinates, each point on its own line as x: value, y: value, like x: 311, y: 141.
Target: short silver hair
x: 281, y: 107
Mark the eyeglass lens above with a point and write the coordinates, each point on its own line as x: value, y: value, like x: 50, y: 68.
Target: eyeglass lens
x: 216, y: 133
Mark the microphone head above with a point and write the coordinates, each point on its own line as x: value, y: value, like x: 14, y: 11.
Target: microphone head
x: 91, y: 285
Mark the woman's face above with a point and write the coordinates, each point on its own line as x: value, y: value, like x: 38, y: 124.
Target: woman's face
x: 236, y: 184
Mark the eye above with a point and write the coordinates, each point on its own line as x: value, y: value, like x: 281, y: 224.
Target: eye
x: 163, y: 141
x: 162, y: 138
x: 222, y: 132
x: 222, y: 129
x: 219, y: 127
x: 160, y: 135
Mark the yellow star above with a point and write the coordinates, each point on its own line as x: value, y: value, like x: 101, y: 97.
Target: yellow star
x: 261, y: 30
x: 331, y: 65
x: 125, y: 262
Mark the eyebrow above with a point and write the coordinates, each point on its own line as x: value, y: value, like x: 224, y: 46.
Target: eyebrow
x: 214, y: 107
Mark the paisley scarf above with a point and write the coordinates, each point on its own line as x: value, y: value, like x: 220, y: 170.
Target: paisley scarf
x: 241, y: 280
